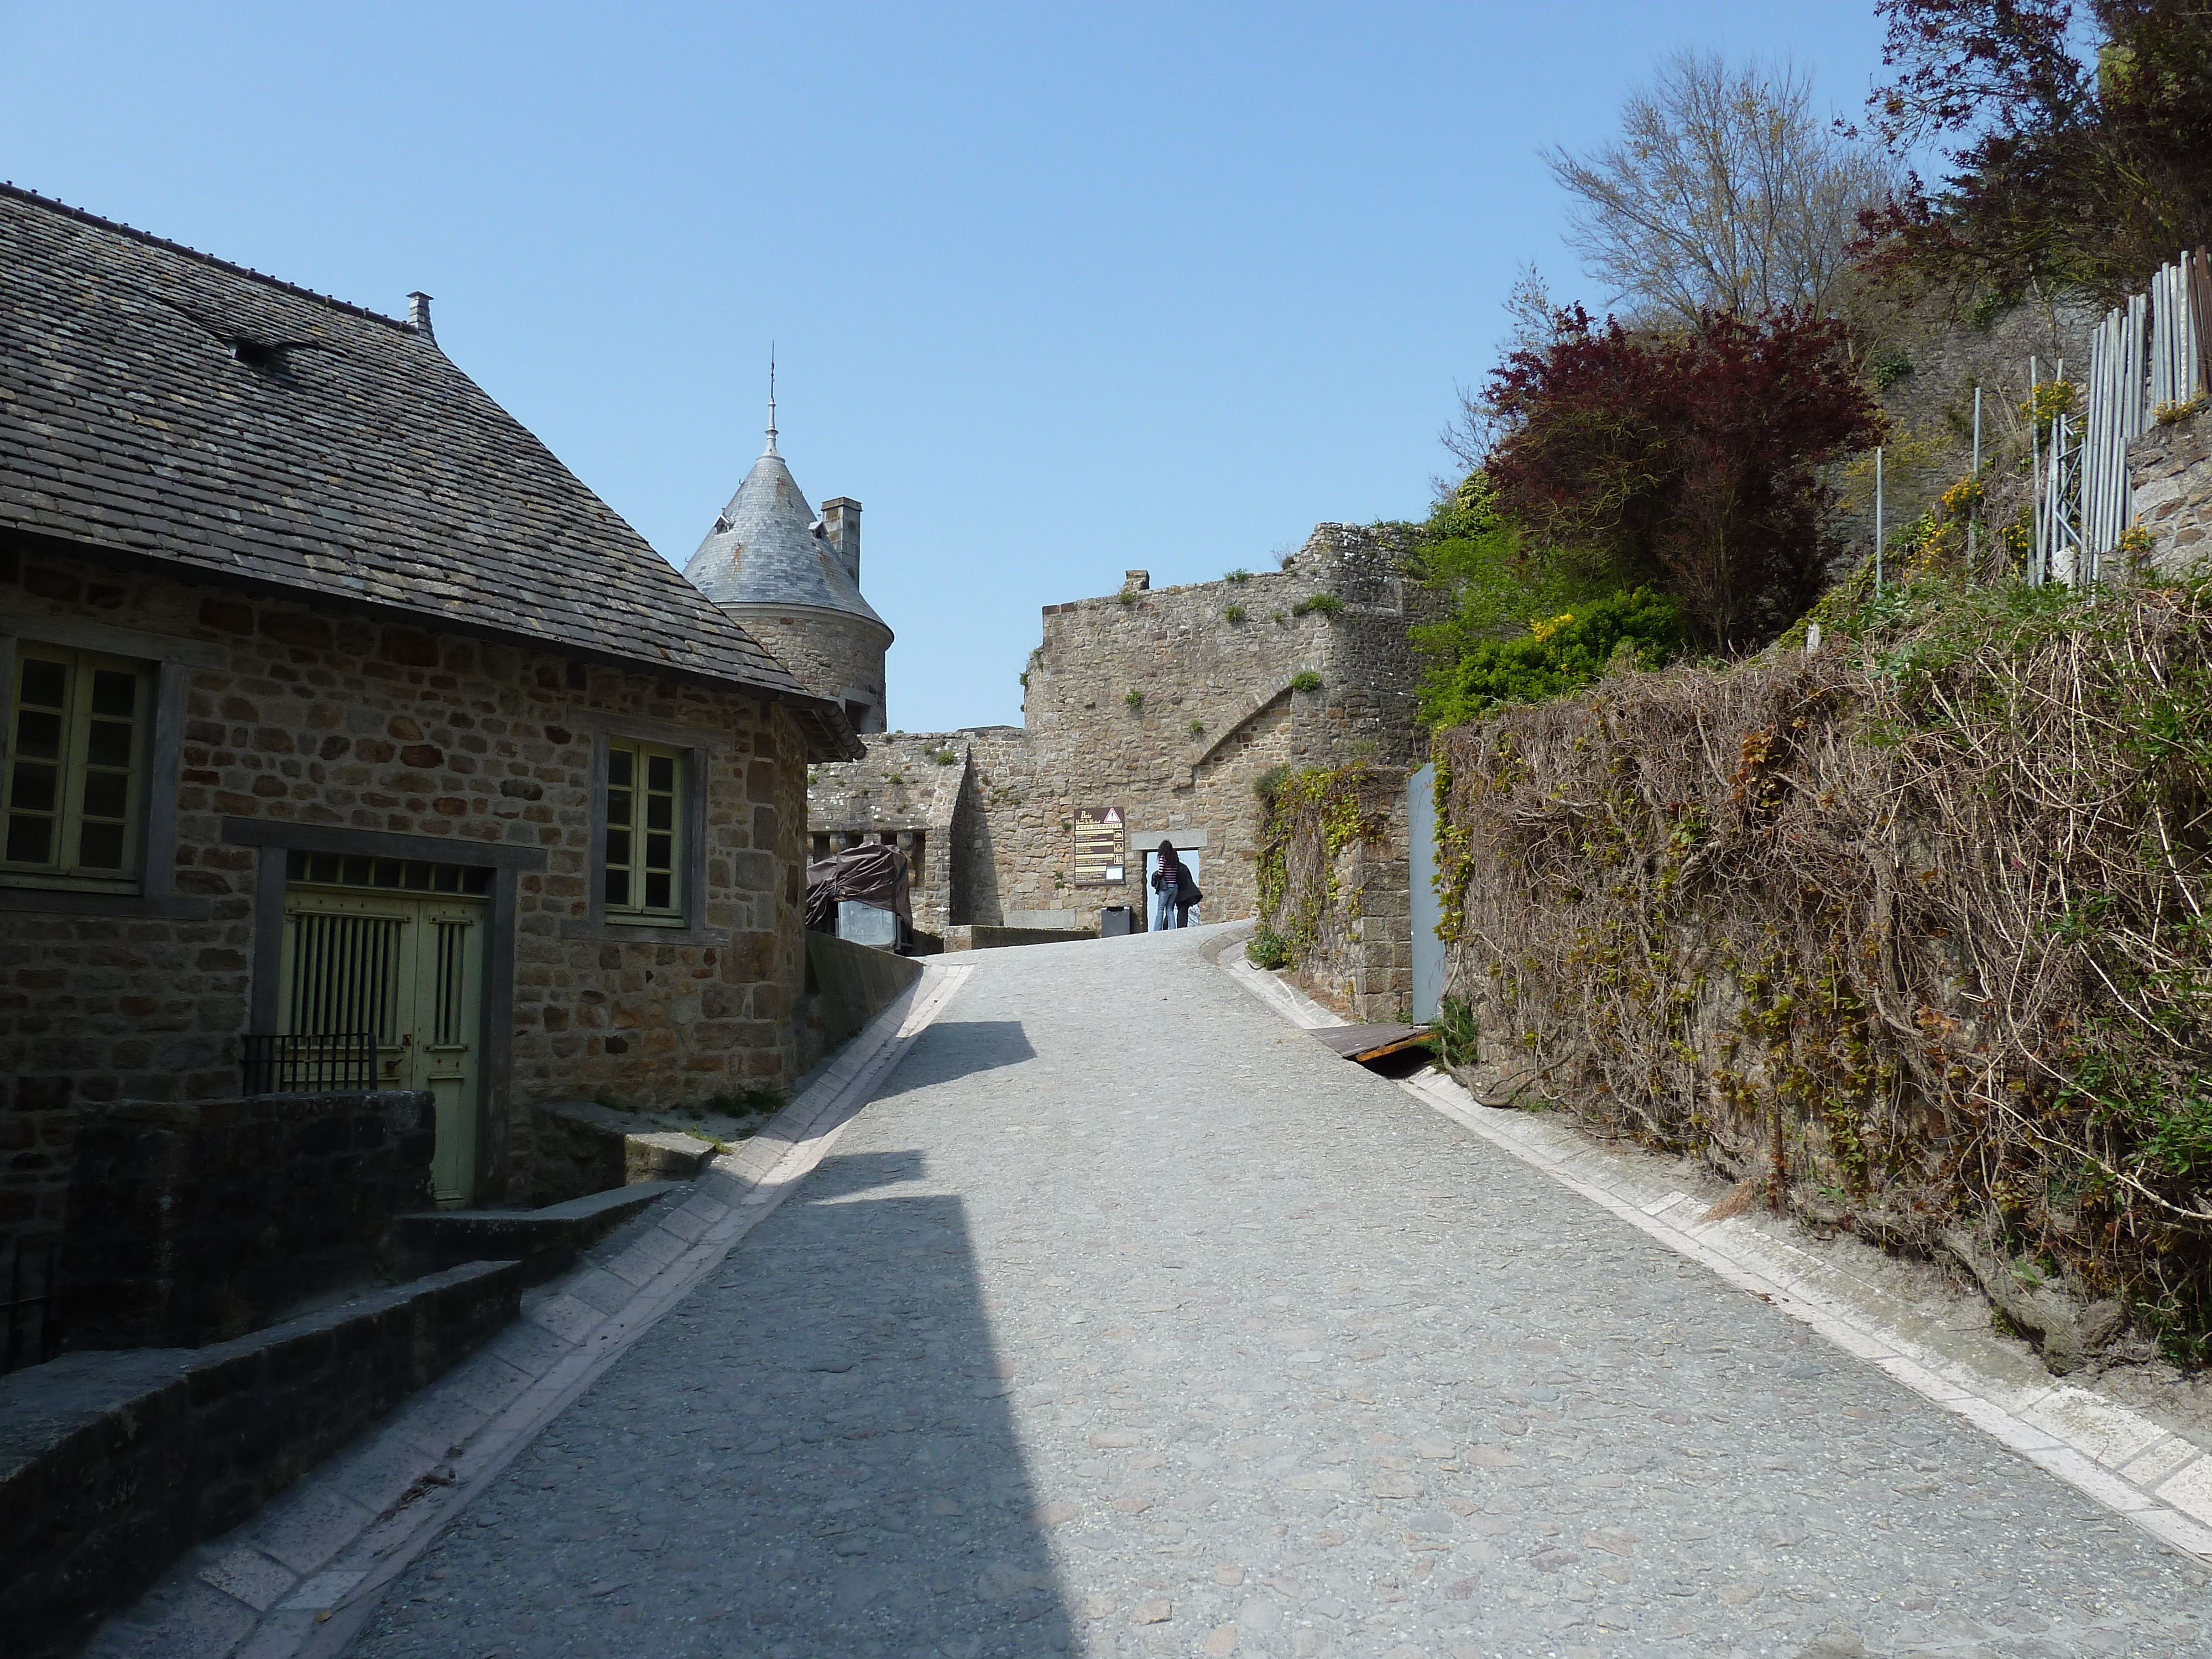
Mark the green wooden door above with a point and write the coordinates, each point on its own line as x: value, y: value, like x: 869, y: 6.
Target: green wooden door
x: 410, y: 971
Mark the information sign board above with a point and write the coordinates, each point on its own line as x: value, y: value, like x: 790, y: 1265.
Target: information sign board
x: 1101, y: 846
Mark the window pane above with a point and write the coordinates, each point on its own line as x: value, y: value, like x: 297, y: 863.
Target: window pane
x: 30, y: 841
x: 38, y: 734
x: 46, y: 683
x: 114, y: 693
x: 619, y: 807
x: 619, y: 762
x: 99, y: 846
x: 618, y: 844
x: 656, y: 892
x: 618, y: 888
x: 108, y: 743
x: 106, y: 794
x: 657, y: 849
x: 660, y: 812
x: 660, y: 772
x: 33, y: 788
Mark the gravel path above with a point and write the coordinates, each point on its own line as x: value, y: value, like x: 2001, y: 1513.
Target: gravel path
x: 1220, y: 1344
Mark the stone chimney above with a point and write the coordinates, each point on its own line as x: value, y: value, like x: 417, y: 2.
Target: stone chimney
x: 841, y: 523
x: 1137, y: 582
x: 418, y: 315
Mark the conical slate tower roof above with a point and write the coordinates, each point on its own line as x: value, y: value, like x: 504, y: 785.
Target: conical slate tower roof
x: 764, y: 548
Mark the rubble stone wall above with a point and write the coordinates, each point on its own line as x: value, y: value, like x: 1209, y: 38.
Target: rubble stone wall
x: 192, y: 1223
x: 294, y: 716
x: 1362, y: 961
x: 1165, y: 705
x: 2171, y: 468
x: 832, y: 654
x: 905, y: 793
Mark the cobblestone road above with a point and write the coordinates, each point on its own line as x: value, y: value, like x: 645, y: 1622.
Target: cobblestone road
x: 1219, y: 1345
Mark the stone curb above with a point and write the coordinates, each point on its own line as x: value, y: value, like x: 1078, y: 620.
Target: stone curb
x: 2118, y: 1457
x: 300, y: 1579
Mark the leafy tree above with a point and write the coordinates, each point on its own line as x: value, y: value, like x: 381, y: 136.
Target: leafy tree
x: 1493, y: 579
x: 1725, y: 191
x: 2070, y: 171
x: 1689, y: 461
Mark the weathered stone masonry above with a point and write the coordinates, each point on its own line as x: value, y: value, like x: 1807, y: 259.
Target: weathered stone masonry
x: 1164, y: 704
x: 2169, y: 466
x: 295, y: 717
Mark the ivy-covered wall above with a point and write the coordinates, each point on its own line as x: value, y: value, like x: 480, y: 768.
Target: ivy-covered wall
x: 1334, y: 901
x: 1915, y: 933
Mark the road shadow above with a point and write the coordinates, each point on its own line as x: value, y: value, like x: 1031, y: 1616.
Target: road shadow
x: 815, y: 1454
x: 954, y: 1049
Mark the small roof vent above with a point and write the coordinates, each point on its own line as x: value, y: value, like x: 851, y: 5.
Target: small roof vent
x: 418, y: 315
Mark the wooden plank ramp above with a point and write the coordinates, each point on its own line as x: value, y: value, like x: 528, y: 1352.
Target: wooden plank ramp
x: 1366, y: 1042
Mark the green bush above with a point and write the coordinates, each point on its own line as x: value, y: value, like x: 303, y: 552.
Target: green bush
x: 1234, y: 613
x: 1555, y: 658
x: 1327, y: 605
x: 1268, y: 950
x: 1305, y: 680
x: 1496, y: 581
x: 1239, y: 574
x: 1135, y: 699
x: 1452, y: 1033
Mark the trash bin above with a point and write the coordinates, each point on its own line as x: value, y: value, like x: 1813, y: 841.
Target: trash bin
x: 1115, y: 921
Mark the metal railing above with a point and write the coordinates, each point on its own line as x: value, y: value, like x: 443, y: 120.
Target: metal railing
x: 309, y: 1063
x: 30, y: 1311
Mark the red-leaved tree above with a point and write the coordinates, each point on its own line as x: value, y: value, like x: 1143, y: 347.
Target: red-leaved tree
x: 1688, y: 460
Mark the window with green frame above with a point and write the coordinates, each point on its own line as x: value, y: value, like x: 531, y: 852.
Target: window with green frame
x: 74, y: 797
x: 644, y: 856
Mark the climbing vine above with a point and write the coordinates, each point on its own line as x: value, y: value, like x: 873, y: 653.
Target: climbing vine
x: 1307, y: 820
x: 1915, y: 932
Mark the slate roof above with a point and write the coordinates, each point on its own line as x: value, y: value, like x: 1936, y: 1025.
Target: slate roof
x: 763, y: 551
x: 159, y: 403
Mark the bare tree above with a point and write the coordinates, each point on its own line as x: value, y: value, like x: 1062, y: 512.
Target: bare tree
x: 1725, y: 192
x: 1529, y: 311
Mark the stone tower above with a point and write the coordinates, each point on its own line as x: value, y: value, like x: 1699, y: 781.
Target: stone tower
x: 792, y: 580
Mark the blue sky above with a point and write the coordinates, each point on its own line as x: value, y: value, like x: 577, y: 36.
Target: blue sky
x: 1056, y: 290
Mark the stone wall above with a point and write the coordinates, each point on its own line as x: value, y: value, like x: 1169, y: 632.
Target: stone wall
x: 192, y: 1222
x: 296, y: 717
x: 1164, y: 704
x: 1349, y: 915
x: 833, y: 654
x: 113, y: 1464
x: 906, y: 793
x: 2171, y: 468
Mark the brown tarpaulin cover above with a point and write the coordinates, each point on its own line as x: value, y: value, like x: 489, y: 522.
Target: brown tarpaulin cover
x: 873, y: 874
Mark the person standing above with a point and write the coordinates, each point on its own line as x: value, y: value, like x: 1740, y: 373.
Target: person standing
x: 1169, y: 879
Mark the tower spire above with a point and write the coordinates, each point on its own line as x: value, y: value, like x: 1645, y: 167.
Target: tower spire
x: 771, y: 400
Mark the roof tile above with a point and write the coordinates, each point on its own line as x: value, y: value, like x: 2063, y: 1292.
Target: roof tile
x: 361, y: 461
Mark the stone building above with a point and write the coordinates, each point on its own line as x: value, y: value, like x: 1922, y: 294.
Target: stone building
x: 340, y: 715
x: 792, y: 580
x: 1149, y: 715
